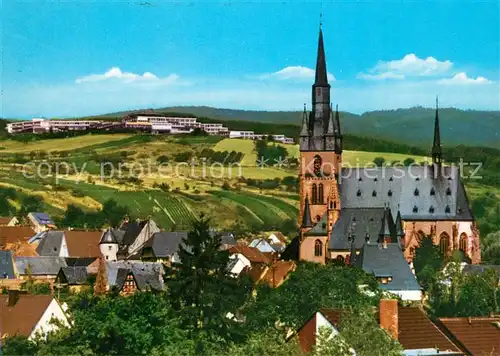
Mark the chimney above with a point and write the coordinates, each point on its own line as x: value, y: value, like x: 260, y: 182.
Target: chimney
x: 389, y: 319
x: 14, y: 297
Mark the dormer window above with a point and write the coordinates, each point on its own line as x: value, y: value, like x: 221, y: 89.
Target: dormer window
x: 389, y: 193
x: 431, y: 210
x: 375, y: 179
x: 447, y: 210
x: 358, y: 193
x: 416, y: 192
x: 360, y: 179
x: 391, y: 179
x: 415, y: 209
x: 417, y: 179
x: 433, y: 191
x: 448, y: 191
x: 374, y: 194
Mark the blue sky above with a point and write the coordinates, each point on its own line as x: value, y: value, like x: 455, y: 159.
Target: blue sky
x: 70, y: 58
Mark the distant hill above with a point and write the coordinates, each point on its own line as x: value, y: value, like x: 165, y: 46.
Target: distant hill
x: 413, y: 126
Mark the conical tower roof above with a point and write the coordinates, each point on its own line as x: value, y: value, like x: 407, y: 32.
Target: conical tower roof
x: 306, y: 217
x: 108, y: 237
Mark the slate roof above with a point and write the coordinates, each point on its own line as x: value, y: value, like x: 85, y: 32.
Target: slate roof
x: 385, y: 262
x: 406, y: 187
x: 21, y: 318
x: 73, y: 275
x: 368, y: 220
x: 79, y: 261
x: 148, y: 275
x: 165, y: 243
x: 131, y: 231
x: 42, y: 218
x: 50, y: 244
x: 227, y: 238
x: 6, y: 265
x: 476, y: 336
x: 13, y: 234
x: 40, y: 265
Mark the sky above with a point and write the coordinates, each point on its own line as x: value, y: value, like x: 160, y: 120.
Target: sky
x: 75, y: 58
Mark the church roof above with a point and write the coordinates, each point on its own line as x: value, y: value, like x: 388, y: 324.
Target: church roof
x: 414, y: 189
x: 367, y: 221
x: 388, y: 261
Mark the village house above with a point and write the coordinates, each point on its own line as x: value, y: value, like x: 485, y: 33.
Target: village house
x: 8, y: 221
x: 130, y: 276
x: 40, y: 221
x: 67, y: 243
x: 410, y: 326
x: 29, y: 315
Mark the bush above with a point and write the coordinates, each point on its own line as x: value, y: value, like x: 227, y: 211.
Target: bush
x: 226, y: 186
x: 379, y: 161
x: 162, y: 159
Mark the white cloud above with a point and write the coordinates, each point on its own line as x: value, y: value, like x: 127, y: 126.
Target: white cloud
x: 409, y: 66
x: 127, y: 77
x: 294, y: 72
x: 462, y: 78
x: 381, y: 76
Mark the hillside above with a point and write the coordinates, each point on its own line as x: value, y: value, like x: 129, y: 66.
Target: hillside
x: 413, y: 126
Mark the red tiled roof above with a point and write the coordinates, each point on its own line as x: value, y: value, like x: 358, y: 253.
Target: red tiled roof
x: 83, y: 243
x: 252, y: 253
x: 4, y: 220
x: 417, y: 331
x: 277, y: 273
x: 22, y: 249
x: 13, y: 234
x: 334, y: 316
x: 477, y: 336
x: 22, y: 318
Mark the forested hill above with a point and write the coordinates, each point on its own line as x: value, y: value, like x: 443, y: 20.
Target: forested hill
x: 414, y: 126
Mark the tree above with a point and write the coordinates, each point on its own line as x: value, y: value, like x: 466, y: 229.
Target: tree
x: 112, y: 213
x: 32, y: 203
x: 17, y: 345
x: 74, y: 216
x: 408, y: 161
x: 379, y: 161
x: 197, y: 283
x: 101, y: 282
x: 428, y: 261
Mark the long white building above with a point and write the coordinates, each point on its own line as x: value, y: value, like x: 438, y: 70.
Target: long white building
x: 250, y: 135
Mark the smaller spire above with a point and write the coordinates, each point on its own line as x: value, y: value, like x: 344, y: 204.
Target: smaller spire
x: 108, y: 237
x: 385, y: 231
x: 331, y: 124
x: 399, y: 225
x: 436, y: 146
x: 305, y: 126
x: 306, y: 217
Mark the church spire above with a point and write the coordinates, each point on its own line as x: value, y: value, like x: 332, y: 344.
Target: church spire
x: 436, y: 146
x: 321, y: 74
x: 338, y: 132
x: 306, y: 217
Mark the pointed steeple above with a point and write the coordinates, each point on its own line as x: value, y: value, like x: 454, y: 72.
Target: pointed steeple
x: 321, y: 73
x: 108, y: 237
x: 338, y: 132
x: 305, y: 125
x: 400, y: 233
x: 306, y: 217
x: 385, y: 227
x: 436, y: 146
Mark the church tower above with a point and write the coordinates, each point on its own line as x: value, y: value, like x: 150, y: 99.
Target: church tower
x: 320, y: 162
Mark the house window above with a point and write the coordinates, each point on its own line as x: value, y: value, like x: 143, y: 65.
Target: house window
x: 374, y: 194
x: 448, y: 191
x: 447, y: 210
x: 107, y: 257
x: 375, y: 179
x: 415, y: 209
x: 416, y: 192
x: 431, y: 210
x: 389, y: 193
x: 318, y: 248
x: 391, y: 179
x: 417, y: 179
x: 433, y: 192
x: 109, y: 248
x: 360, y: 179
x: 358, y: 193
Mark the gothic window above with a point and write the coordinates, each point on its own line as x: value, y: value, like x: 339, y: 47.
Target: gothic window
x: 447, y: 210
x: 433, y: 191
x: 463, y: 242
x: 374, y: 194
x: 317, y: 165
x: 431, y: 210
x: 448, y: 191
x: 389, y: 193
x: 320, y: 193
x: 444, y: 243
x: 318, y: 248
x: 358, y: 193
x: 415, y: 209
x: 416, y: 192
x: 314, y: 195
x: 335, y: 205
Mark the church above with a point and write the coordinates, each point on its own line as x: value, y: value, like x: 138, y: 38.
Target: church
x: 345, y: 208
